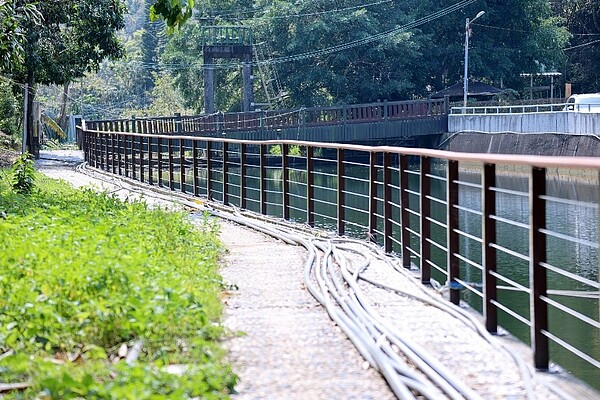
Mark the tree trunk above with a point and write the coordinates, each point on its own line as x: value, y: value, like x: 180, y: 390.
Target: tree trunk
x: 33, y: 143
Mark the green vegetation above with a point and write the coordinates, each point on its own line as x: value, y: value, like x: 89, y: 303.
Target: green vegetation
x: 87, y: 281
x: 312, y: 45
x: 293, y: 150
x: 23, y: 179
x: 56, y: 42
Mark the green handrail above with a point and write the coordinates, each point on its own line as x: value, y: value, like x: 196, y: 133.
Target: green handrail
x: 226, y: 35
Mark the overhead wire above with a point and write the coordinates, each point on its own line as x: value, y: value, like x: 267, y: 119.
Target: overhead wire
x: 212, y: 13
x: 328, y: 50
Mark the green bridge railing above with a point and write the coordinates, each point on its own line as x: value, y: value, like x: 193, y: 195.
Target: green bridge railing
x: 226, y: 35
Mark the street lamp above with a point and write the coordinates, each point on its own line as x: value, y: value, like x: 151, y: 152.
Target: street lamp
x: 467, y: 34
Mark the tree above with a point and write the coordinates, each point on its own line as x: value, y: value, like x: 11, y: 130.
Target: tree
x: 13, y: 14
x: 316, y: 52
x: 381, y: 69
x: 75, y: 37
x: 583, y: 22
x: 512, y: 37
x: 174, y: 12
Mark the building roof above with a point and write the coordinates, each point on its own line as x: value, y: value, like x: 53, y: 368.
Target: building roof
x: 475, y: 89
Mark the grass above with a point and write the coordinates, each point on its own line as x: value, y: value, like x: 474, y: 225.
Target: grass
x: 86, y: 279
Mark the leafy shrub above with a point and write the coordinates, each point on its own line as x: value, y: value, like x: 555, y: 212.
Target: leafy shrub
x: 23, y: 175
x: 9, y: 110
x: 83, y: 274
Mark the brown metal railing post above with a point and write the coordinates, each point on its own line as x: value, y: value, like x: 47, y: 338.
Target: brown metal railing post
x: 119, y: 153
x: 86, y: 142
x: 159, y: 161
x: 310, y: 189
x: 142, y: 130
x: 97, y: 155
x: 243, y: 175
x: 225, y: 173
x: 537, y: 273
x: 387, y: 201
x: 195, y: 167
x: 100, y: 150
x: 150, y: 169
x: 132, y: 148
x: 181, y: 164
x: 125, y: 158
x: 208, y: 170
x: 91, y: 143
x: 94, y: 147
x: 179, y: 131
x: 285, y: 185
x: 170, y: 153
x: 341, y: 196
x: 263, y: 179
x: 90, y: 139
x: 93, y: 139
x: 488, y: 252
x: 371, y: 233
x: 404, y: 214
x: 106, y: 161
x: 451, y: 227
x: 425, y: 206
x: 112, y: 148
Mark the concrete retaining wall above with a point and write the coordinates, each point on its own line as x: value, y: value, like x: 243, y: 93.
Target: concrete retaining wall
x: 544, y: 122
x: 534, y: 144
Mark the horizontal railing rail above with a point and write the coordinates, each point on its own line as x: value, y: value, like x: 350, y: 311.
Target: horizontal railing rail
x: 522, y: 109
x: 445, y: 213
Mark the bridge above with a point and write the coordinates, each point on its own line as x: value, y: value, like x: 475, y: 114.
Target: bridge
x: 407, y: 123
x: 443, y: 212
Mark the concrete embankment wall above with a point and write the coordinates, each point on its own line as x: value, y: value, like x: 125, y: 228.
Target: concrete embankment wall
x: 535, y: 144
x: 542, y: 122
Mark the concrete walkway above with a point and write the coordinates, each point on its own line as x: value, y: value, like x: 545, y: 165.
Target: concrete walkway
x: 290, y: 348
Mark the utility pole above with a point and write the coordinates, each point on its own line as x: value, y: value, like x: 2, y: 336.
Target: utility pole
x: 466, y: 73
x: 25, y: 102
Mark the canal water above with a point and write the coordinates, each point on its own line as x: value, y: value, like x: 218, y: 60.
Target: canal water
x: 576, y: 217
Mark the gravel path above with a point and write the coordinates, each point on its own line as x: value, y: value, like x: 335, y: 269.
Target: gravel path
x: 288, y: 348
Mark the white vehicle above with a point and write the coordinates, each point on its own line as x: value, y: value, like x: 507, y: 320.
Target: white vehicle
x: 585, y: 103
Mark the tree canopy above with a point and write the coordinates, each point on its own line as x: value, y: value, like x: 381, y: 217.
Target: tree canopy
x: 322, y: 52
x: 328, y: 51
x: 12, y: 15
x: 72, y: 39
x: 583, y: 21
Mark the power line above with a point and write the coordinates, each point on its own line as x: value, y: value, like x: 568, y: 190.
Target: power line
x: 337, y: 10
x: 583, y: 45
x: 373, y: 38
x: 329, y: 50
x: 500, y: 28
x: 213, y: 14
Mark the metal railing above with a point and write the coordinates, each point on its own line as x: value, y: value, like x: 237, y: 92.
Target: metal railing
x: 274, y: 119
x: 220, y: 35
x: 443, y: 212
x: 522, y: 109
